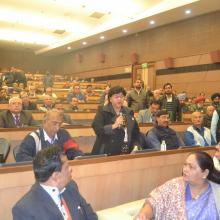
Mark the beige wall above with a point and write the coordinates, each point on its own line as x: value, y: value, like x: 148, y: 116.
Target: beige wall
x: 26, y: 60
x: 185, y: 38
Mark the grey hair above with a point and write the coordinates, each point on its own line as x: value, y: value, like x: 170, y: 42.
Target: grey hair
x: 47, y: 114
x: 14, y: 98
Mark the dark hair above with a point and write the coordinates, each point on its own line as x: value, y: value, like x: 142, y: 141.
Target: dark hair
x: 46, y: 162
x: 167, y: 84
x: 162, y: 112
x: 155, y: 102
x: 116, y: 90
x: 205, y: 161
x: 214, y: 95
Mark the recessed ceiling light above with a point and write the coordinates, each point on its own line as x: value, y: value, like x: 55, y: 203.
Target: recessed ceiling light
x: 84, y: 42
x: 152, y: 22
x: 102, y: 37
x: 124, y: 31
x: 188, y: 11
x: 69, y: 48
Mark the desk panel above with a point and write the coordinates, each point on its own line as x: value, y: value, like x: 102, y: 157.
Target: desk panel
x: 104, y: 182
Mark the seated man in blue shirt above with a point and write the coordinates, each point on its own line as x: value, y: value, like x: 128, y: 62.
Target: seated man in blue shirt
x: 196, y: 134
x: 162, y: 132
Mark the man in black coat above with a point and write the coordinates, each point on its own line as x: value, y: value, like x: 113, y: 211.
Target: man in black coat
x: 54, y: 196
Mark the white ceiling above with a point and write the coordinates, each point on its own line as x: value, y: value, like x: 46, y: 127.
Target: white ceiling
x: 30, y: 24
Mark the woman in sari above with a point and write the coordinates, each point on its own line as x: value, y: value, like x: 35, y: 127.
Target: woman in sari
x: 194, y: 196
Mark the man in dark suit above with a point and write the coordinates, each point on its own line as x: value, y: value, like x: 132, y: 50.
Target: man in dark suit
x: 54, y: 196
x: 15, y: 116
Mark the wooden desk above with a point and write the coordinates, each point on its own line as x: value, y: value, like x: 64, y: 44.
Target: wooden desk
x: 104, y: 182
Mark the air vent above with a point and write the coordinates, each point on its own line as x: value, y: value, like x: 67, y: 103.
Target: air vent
x: 59, y: 31
x: 97, y: 15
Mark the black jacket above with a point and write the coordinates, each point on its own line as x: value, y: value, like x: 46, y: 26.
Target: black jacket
x: 110, y: 140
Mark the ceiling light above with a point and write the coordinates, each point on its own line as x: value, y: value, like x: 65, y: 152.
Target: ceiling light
x: 69, y: 48
x: 84, y: 42
x: 102, y: 37
x: 188, y: 11
x: 152, y: 22
x: 124, y: 31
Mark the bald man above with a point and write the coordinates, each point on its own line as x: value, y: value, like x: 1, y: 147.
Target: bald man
x: 207, y: 119
x: 15, y: 117
x: 196, y: 134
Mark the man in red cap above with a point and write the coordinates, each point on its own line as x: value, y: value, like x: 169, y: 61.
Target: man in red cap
x: 48, y: 136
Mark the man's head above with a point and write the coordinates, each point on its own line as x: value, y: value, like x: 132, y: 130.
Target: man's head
x: 52, y: 122
x: 138, y: 84
x: 154, y: 106
x: 24, y: 97
x: 15, y: 105
x: 48, y: 101
x: 197, y: 119
x: 49, y: 91
x: 167, y: 88
x: 76, y: 89
x: 162, y: 118
x: 74, y: 101
x: 50, y: 166
x: 215, y: 98
x: 210, y: 110
x: 3, y: 93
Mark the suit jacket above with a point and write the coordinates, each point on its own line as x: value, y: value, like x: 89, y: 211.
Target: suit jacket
x: 38, y: 205
x: 7, y: 119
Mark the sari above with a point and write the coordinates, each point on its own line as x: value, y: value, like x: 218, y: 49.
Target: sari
x: 169, y: 201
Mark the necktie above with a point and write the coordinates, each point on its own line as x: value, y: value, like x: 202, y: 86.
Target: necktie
x: 65, y: 209
x: 17, y: 121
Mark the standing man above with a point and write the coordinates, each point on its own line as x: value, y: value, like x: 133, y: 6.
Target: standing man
x: 149, y: 115
x: 15, y: 117
x: 171, y: 103
x: 54, y: 196
x: 137, y: 98
x: 197, y: 135
x: 49, y: 135
x: 162, y: 132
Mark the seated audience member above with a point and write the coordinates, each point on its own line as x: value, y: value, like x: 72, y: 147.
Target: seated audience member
x: 4, y: 98
x: 148, y: 115
x: 15, y: 116
x: 116, y: 129
x: 196, y: 134
x: 49, y: 91
x: 26, y: 103
x: 162, y: 132
x: 216, y: 158
x: 207, y: 119
x: 89, y: 91
x: 49, y: 135
x: 32, y: 91
x: 66, y: 118
x: 104, y: 97
x: 215, y: 125
x: 199, y: 105
x: 48, y: 104
x: 194, y: 195
x: 216, y: 100
x: 74, y: 104
x: 77, y: 94
x: 54, y: 195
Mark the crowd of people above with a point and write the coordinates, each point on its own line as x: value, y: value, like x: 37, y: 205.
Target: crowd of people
x: 117, y: 132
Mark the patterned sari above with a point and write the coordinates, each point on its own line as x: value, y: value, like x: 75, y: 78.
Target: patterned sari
x: 172, y: 201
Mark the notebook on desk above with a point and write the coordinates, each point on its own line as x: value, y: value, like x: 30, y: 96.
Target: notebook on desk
x: 15, y: 164
x: 144, y: 151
